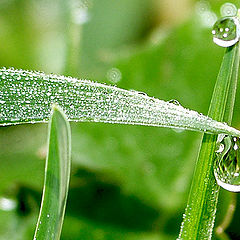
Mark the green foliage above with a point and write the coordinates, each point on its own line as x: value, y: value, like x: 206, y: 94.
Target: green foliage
x: 201, y: 209
x: 57, y: 174
x: 128, y: 182
x: 26, y: 97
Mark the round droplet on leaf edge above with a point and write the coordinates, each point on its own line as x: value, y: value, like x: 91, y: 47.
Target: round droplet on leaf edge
x: 226, y: 31
x: 226, y: 165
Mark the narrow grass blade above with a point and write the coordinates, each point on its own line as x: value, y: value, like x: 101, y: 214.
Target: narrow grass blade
x: 198, y: 221
x: 27, y: 97
x: 57, y: 174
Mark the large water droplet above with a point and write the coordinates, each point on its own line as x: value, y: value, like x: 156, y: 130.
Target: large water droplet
x: 226, y: 165
x: 226, y: 31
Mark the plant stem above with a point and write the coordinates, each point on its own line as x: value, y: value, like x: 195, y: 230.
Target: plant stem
x: 220, y: 230
x: 198, y: 220
x: 57, y: 175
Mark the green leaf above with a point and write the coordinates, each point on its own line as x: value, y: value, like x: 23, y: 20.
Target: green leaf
x: 27, y: 97
x: 200, y: 212
x: 57, y: 174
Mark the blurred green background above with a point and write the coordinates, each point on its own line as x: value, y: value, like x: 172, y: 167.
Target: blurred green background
x: 127, y: 182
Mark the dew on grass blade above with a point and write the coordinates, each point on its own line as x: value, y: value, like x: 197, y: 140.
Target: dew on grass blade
x: 29, y: 100
x: 226, y: 165
x: 226, y: 31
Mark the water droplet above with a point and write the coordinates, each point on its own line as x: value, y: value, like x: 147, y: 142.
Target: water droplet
x: 206, y: 16
x: 226, y: 165
x: 178, y: 130
x: 175, y: 102
x: 7, y: 204
x: 80, y: 13
x: 141, y: 93
x: 114, y: 75
x: 228, y: 9
x: 226, y: 31
x: 80, y: 16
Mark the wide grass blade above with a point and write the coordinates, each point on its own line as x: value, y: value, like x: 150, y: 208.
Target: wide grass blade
x: 198, y: 220
x: 57, y: 174
x: 26, y: 97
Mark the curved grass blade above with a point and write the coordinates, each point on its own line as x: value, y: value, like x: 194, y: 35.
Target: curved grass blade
x: 199, y: 217
x: 26, y: 97
x: 57, y: 174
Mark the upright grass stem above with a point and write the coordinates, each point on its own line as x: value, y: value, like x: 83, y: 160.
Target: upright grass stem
x: 220, y: 230
x: 57, y: 175
x: 198, y: 220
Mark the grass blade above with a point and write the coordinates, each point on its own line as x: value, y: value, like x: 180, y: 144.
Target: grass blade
x: 200, y: 212
x: 57, y: 174
x: 27, y: 97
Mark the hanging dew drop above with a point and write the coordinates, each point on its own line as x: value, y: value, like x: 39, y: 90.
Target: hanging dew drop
x: 227, y: 162
x: 226, y: 31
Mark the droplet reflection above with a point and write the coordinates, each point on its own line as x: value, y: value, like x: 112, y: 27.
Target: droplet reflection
x: 114, y: 75
x: 228, y: 9
x: 206, y: 16
x: 7, y: 204
x: 226, y: 31
x: 226, y: 165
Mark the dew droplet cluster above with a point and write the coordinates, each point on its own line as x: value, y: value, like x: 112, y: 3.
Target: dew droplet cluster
x: 227, y: 162
x: 27, y: 96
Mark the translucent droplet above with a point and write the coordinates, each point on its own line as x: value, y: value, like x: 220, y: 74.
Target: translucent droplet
x: 114, y: 75
x: 80, y: 16
x: 226, y: 165
x: 228, y: 9
x: 226, y: 31
x: 80, y: 13
x: 206, y: 16
x: 7, y: 204
x: 175, y: 102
